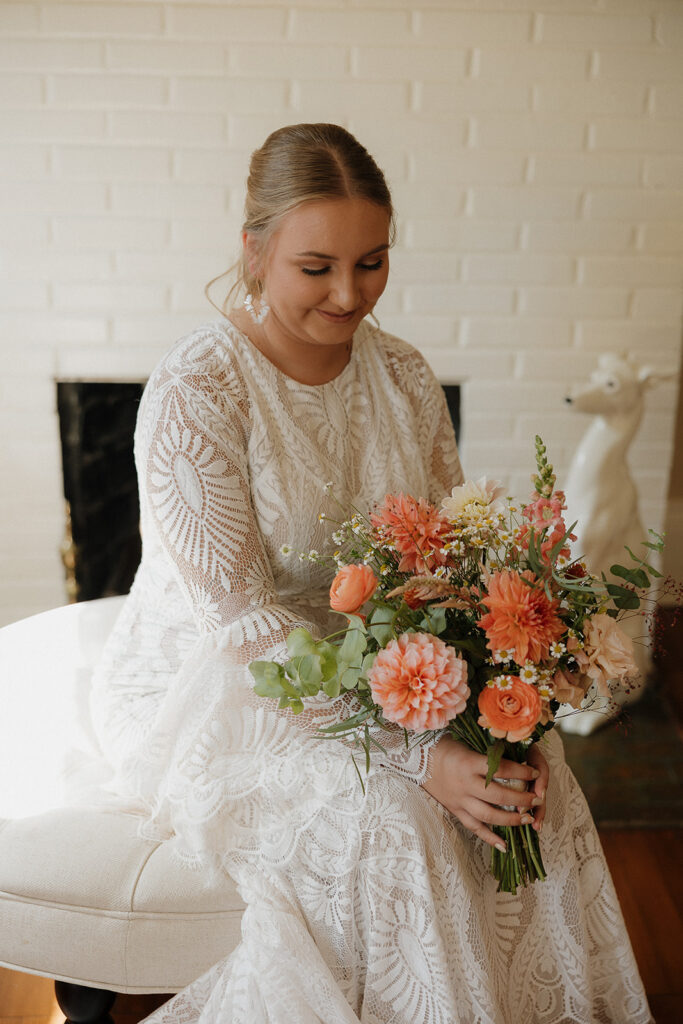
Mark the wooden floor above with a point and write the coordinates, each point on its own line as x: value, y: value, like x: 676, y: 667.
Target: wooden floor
x: 645, y: 865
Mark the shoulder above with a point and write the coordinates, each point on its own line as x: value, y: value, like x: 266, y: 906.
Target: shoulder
x: 210, y: 349
x: 201, y: 379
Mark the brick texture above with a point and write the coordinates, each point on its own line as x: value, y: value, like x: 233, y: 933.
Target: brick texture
x: 535, y: 148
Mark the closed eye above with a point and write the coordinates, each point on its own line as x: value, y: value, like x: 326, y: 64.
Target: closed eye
x: 377, y: 265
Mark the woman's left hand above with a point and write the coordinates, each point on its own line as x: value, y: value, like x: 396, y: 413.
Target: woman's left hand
x: 536, y: 759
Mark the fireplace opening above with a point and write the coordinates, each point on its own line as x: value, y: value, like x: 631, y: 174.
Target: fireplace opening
x: 102, y: 548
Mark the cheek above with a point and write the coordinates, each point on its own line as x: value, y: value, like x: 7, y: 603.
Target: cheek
x: 376, y: 285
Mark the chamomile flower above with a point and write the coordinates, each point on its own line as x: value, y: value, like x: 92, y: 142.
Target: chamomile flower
x: 503, y: 682
x: 321, y: 517
x: 286, y: 549
x: 328, y: 487
x: 500, y: 656
x: 545, y: 691
x: 557, y: 649
x: 528, y: 674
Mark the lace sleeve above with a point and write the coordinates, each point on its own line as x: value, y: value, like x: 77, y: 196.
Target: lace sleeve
x: 196, y: 483
x: 195, y: 479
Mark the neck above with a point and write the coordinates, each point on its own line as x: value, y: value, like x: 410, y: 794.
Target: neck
x: 304, y: 362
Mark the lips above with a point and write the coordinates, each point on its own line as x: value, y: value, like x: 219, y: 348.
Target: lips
x: 336, y: 318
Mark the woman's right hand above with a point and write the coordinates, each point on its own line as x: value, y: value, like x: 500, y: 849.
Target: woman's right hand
x: 457, y: 780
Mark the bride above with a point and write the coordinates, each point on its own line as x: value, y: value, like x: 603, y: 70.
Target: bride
x: 371, y: 905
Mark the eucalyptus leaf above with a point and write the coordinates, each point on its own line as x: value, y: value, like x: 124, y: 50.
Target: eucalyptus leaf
x: 268, y: 676
x: 622, y: 597
x: 300, y: 642
x: 435, y: 620
x: 352, y: 649
x: 332, y: 687
x: 368, y: 661
x: 381, y: 624
x: 635, y: 576
x: 350, y: 677
x: 310, y: 671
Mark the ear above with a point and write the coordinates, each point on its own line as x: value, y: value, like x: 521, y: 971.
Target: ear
x: 252, y: 252
x: 650, y: 379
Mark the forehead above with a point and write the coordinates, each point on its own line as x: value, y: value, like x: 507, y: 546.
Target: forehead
x: 334, y: 227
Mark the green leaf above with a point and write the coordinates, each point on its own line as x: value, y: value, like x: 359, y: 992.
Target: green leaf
x: 622, y: 597
x: 635, y: 576
x: 300, y: 642
x: 368, y: 661
x: 348, y: 724
x: 329, y: 655
x: 349, y: 677
x: 310, y: 671
x: 268, y: 676
x: 332, y: 687
x: 494, y: 754
x: 351, y: 651
x: 435, y: 620
x: 381, y: 624
x: 355, y: 622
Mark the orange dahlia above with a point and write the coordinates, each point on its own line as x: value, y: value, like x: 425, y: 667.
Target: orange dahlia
x: 521, y: 617
x: 415, y: 528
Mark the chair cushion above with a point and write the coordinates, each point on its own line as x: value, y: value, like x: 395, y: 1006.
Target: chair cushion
x: 85, y: 899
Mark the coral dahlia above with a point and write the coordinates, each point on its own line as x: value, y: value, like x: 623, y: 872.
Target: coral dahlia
x: 419, y: 681
x: 521, y: 618
x: 415, y: 528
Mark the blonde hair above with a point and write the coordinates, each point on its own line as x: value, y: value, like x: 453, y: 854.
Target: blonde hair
x: 297, y: 164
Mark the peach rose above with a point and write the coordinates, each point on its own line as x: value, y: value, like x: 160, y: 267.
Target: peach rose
x: 511, y: 713
x: 419, y: 682
x: 351, y: 588
x: 609, y: 651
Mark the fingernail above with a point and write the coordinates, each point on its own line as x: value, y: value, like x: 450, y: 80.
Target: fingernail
x: 527, y: 819
x: 541, y: 795
x: 502, y: 847
x: 537, y: 801
x: 534, y: 773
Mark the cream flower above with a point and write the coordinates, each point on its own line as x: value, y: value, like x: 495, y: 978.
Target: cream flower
x: 473, y: 499
x: 609, y: 651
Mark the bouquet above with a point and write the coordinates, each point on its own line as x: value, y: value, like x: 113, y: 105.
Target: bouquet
x: 478, y: 623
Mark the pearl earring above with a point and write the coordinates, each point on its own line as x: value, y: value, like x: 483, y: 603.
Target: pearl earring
x: 257, y: 315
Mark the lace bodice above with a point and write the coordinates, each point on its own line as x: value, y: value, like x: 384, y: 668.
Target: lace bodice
x: 233, y: 457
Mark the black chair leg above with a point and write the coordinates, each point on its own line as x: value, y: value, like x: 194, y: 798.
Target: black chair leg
x: 84, y: 1005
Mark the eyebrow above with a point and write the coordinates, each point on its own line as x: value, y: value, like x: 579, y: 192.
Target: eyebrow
x: 326, y: 256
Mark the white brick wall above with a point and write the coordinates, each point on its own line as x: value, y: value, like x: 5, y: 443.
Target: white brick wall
x: 535, y: 148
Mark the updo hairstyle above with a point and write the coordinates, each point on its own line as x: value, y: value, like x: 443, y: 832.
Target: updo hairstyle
x: 297, y: 164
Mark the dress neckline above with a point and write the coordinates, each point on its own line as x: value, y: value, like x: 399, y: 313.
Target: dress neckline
x: 261, y: 358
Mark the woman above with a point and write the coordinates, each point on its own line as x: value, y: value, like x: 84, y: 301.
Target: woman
x: 370, y: 906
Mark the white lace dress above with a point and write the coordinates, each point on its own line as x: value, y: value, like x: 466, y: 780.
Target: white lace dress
x: 372, y: 906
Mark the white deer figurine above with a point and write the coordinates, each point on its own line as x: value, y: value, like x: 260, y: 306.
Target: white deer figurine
x: 602, y: 496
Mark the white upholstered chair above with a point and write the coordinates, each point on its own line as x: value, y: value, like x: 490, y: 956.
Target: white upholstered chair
x: 83, y: 899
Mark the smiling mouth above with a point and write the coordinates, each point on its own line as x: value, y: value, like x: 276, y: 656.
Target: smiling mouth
x: 337, y: 318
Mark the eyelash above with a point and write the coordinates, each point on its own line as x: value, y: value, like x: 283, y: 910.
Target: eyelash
x: 324, y: 270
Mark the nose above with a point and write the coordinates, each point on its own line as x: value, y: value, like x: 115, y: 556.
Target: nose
x: 345, y: 291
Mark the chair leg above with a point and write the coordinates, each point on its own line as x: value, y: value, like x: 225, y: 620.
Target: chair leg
x: 84, y: 1005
